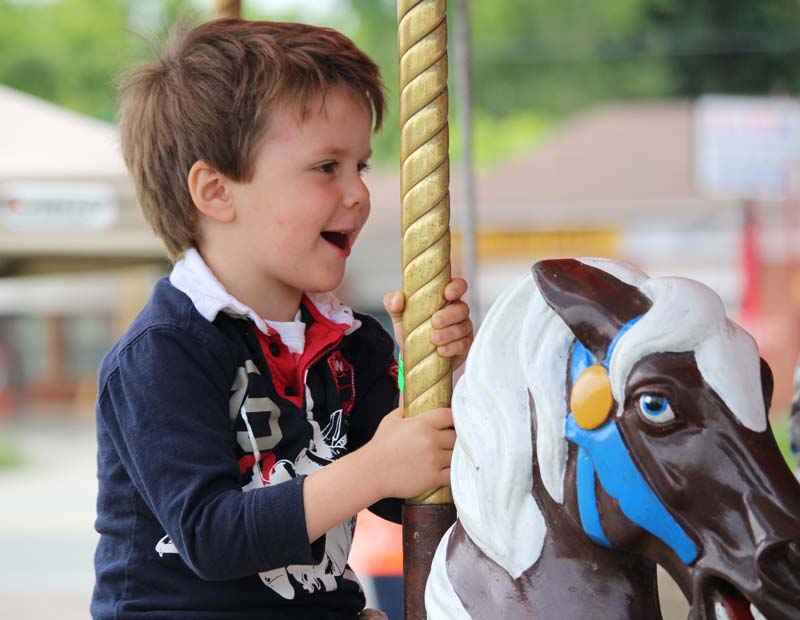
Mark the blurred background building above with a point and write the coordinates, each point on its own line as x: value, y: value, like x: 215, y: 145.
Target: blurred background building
x: 661, y: 132
x: 74, y: 253
x: 700, y: 189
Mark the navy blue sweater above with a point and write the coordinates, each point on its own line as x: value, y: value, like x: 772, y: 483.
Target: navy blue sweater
x: 205, y: 433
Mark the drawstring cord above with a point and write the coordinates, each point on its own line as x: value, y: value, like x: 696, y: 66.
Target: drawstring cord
x: 256, y: 451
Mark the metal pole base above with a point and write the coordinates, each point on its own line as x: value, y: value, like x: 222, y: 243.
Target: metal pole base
x: 423, y: 527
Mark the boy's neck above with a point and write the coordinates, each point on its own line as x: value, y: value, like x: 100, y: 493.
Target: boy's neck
x: 271, y: 300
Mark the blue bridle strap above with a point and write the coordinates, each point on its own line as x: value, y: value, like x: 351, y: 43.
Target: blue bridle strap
x: 587, y: 499
x: 602, y: 454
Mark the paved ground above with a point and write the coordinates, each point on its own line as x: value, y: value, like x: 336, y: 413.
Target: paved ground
x: 46, y: 522
x: 47, y: 537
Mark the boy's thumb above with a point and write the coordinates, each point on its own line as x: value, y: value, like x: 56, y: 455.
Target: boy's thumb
x: 394, y: 304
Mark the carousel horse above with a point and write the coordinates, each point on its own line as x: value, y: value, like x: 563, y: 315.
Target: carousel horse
x: 608, y: 422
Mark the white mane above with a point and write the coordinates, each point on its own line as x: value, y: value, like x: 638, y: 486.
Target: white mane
x: 523, y: 348
x: 493, y: 454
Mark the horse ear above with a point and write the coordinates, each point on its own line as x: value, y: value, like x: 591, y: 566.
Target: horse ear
x: 593, y: 303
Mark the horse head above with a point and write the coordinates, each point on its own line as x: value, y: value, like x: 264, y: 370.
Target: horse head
x: 608, y: 422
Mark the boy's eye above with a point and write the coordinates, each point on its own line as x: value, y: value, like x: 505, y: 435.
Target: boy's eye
x: 328, y: 168
x: 363, y: 167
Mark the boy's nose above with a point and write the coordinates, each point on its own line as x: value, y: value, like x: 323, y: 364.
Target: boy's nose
x: 357, y: 194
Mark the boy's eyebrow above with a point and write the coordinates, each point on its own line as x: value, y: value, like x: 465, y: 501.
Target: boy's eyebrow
x: 339, y: 152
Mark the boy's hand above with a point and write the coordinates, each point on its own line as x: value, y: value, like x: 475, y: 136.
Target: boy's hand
x: 452, y: 327
x: 412, y: 455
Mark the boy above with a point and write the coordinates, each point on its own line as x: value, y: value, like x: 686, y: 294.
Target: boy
x: 241, y: 418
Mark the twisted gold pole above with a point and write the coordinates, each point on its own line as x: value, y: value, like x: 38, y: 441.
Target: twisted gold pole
x: 424, y: 181
x: 227, y: 8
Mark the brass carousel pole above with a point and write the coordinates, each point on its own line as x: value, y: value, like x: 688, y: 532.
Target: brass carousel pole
x: 425, y: 200
x: 227, y: 8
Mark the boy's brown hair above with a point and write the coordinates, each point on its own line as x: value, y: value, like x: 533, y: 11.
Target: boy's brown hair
x: 210, y: 96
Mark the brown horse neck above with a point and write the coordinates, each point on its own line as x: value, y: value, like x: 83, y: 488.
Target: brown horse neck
x: 566, y: 582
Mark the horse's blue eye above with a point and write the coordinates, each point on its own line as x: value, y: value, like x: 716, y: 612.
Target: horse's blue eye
x: 656, y: 408
x: 654, y: 404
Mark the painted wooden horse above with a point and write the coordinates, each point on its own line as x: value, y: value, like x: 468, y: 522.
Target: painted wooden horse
x: 608, y: 422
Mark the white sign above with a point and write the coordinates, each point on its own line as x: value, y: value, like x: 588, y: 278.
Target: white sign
x: 748, y: 147
x: 40, y: 207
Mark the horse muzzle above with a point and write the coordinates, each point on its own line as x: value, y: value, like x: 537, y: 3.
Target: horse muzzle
x: 752, y: 569
x: 776, y: 513
x: 778, y: 567
x: 772, y: 592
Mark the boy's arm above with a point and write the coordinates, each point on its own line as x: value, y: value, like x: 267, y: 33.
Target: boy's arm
x: 376, y: 396
x: 404, y: 458
x: 165, y: 409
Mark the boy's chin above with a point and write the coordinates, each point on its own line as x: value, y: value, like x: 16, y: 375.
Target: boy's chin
x: 325, y: 285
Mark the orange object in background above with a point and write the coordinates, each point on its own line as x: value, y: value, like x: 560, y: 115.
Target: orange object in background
x: 377, y: 547
x: 377, y: 558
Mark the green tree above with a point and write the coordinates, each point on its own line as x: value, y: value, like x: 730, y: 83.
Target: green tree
x: 375, y: 31
x: 716, y: 46
x: 534, y: 61
x: 72, y: 51
x: 558, y: 57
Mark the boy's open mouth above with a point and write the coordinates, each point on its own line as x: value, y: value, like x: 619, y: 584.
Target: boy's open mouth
x: 339, y: 239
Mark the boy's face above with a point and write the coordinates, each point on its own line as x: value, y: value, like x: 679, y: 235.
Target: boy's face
x: 307, y: 201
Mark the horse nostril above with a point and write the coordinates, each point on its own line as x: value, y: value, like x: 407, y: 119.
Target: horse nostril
x: 779, y: 565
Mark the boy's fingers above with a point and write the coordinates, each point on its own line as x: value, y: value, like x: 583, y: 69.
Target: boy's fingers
x: 455, y: 289
x: 454, y: 349
x: 444, y: 458
x: 439, y: 418
x: 456, y: 312
x: 452, y: 333
x: 447, y: 439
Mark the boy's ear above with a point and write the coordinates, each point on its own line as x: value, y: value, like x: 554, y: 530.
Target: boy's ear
x: 210, y: 192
